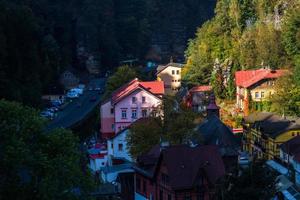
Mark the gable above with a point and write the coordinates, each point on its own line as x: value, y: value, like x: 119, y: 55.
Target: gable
x: 138, y: 93
x: 168, y: 70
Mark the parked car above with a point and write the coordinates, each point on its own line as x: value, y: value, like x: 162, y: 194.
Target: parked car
x: 72, y: 95
x: 47, y: 114
x: 57, y: 103
x: 77, y: 90
x: 53, y: 109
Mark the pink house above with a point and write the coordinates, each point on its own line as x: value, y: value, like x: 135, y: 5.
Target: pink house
x: 129, y: 103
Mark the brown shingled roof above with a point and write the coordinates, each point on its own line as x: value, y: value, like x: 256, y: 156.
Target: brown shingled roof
x: 184, y: 164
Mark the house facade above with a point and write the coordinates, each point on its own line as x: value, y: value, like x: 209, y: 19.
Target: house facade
x: 290, y: 154
x: 177, y: 176
x: 265, y: 132
x: 255, y: 86
x: 117, y: 146
x: 170, y: 74
x: 129, y: 103
x: 197, y: 98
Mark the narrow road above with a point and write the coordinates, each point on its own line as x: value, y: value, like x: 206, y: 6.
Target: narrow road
x: 79, y: 108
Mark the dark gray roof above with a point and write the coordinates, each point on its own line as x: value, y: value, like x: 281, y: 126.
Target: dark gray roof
x: 160, y: 68
x: 271, y: 124
x: 215, y: 132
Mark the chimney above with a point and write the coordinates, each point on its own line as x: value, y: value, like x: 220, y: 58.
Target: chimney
x: 212, y: 108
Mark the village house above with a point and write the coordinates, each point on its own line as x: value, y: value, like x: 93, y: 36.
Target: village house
x: 97, y: 157
x: 170, y: 74
x: 197, y: 98
x: 129, y: 103
x: 265, y: 132
x: 178, y: 172
x: 255, y: 85
x: 117, y: 146
x: 290, y: 154
x: 215, y: 132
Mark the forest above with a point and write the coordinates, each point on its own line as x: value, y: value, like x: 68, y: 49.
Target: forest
x: 247, y: 34
x: 39, y: 39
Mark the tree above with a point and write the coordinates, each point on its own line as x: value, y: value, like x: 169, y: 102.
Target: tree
x: 286, y: 99
x: 123, y: 75
x: 35, y: 164
x: 143, y: 135
x: 256, y: 182
x: 176, y: 125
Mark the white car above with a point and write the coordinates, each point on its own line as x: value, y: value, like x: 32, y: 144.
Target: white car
x: 72, y: 95
x: 77, y: 90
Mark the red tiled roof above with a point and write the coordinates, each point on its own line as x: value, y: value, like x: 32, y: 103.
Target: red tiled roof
x: 249, y: 77
x: 202, y: 88
x: 97, y: 156
x: 154, y: 87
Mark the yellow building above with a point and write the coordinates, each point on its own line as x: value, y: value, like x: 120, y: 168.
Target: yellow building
x: 257, y: 85
x: 265, y: 132
x: 170, y: 74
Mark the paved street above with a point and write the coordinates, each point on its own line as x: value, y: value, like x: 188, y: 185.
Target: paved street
x: 79, y: 108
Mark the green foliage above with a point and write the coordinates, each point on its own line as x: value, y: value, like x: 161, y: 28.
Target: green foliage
x: 246, y: 33
x: 286, y: 100
x: 123, y: 75
x: 34, y: 164
x: 256, y: 182
x: 144, y: 135
x: 175, y: 126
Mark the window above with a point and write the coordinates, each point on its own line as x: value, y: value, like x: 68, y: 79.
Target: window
x: 256, y: 95
x: 112, y: 145
x: 173, y: 72
x: 179, y: 80
x: 164, y: 178
x: 138, y: 184
x: 144, y: 113
x: 177, y: 72
x: 124, y: 114
x: 143, y: 99
x: 262, y: 94
x: 120, y: 147
x: 113, y: 126
x: 144, y: 186
x: 133, y: 114
x: 161, y: 195
x: 133, y: 99
x: 111, y: 111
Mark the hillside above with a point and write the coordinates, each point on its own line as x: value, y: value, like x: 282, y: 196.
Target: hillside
x: 246, y: 34
x: 39, y: 39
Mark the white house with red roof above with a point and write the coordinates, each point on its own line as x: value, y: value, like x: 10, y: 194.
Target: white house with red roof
x: 255, y: 84
x: 129, y: 103
x: 98, y: 157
